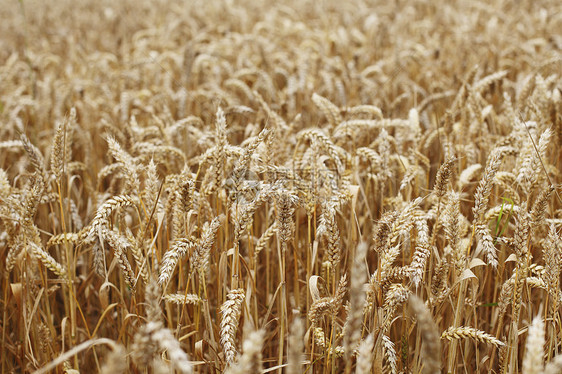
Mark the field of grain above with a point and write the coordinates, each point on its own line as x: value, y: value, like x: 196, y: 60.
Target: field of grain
x: 236, y: 186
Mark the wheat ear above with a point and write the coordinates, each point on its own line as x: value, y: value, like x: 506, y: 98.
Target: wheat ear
x: 533, y: 359
x: 296, y: 347
x: 357, y: 302
x: 431, y: 348
x: 365, y: 355
x: 231, y: 310
x: 251, y: 359
x: 464, y: 332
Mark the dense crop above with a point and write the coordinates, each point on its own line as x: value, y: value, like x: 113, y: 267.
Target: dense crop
x: 302, y: 186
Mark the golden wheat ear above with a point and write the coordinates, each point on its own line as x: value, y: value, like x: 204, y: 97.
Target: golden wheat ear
x: 431, y: 346
x: 231, y: 310
x: 533, y: 361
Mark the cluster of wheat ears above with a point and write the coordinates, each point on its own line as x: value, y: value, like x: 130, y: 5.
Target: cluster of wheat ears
x: 301, y: 187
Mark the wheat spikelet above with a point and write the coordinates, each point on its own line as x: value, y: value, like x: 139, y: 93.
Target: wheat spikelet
x: 483, y: 83
x: 138, y: 256
x: 151, y: 187
x: 11, y: 144
x: 320, y: 339
x: 57, y: 154
x: 324, y: 305
x: 487, y: 244
x: 124, y: 106
x: 5, y: 187
x: 365, y: 355
x: 296, y: 347
x: 179, y: 249
x: 502, y: 358
x: 181, y: 203
x: 539, y: 154
x: 320, y: 140
x: 31, y: 202
x: 35, y: 156
x: 127, y: 163
x: 521, y: 238
x: 341, y: 290
x: 230, y: 311
x: 163, y: 153
x: 553, y: 267
x: 166, y: 342
x: 451, y: 220
x: 431, y: 348
x: 370, y: 155
x: 237, y: 84
x: 533, y: 360
x: 494, y: 213
x: 396, y: 295
x: 243, y: 162
x: 404, y: 222
x: 74, y: 214
x: 182, y: 298
x: 390, y: 354
x: 464, y: 332
x: 285, y: 202
x: 468, y: 174
x: 264, y: 238
x: 121, y: 246
x: 328, y: 228
x: 382, y: 230
x: 422, y: 253
x: 442, y: 178
x: 101, y: 219
x: 329, y: 110
x: 71, y: 237
x: 400, y: 228
x: 525, y: 89
x: 202, y: 253
x: 152, y: 297
x: 365, y: 109
x: 538, y: 212
x: 222, y: 140
x: 554, y: 366
x: 14, y: 249
x: 484, y: 189
x: 115, y: 361
x: 47, y: 260
x: 328, y: 305
x: 251, y: 359
x: 354, y: 320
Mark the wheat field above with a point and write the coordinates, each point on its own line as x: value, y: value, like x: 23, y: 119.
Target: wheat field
x: 236, y: 186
